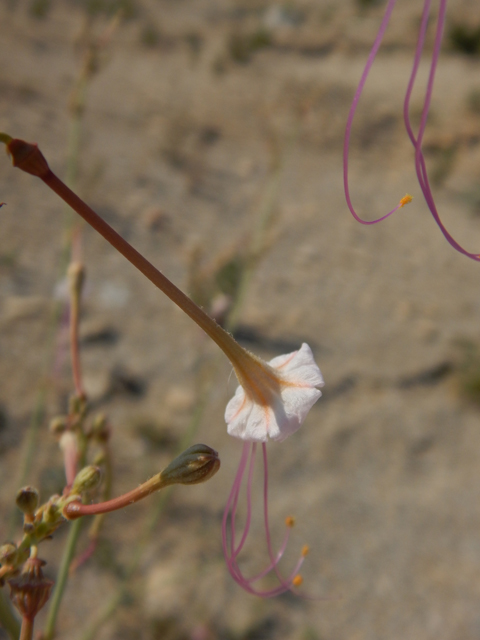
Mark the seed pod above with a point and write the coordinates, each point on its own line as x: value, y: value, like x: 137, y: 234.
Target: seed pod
x: 31, y: 590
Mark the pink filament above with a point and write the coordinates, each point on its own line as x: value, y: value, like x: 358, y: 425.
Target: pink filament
x: 353, y: 108
x: 232, y: 551
x: 417, y: 141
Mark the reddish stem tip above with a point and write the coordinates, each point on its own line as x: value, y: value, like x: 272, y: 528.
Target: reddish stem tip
x: 28, y: 157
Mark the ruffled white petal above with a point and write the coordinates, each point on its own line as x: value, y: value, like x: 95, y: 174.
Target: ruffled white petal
x: 298, y: 380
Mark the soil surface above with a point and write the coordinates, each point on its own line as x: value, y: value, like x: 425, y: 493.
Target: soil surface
x: 211, y: 138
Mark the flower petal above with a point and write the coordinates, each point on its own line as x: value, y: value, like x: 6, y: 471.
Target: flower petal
x: 299, y: 367
x: 245, y: 419
x: 296, y: 403
x: 287, y: 404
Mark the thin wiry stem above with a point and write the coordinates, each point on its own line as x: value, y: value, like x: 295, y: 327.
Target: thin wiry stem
x: 62, y: 578
x: 8, y: 620
x: 74, y: 342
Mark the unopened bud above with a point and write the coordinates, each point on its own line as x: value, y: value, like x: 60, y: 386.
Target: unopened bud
x: 58, y: 426
x: 100, y: 430
x: 27, y: 500
x: 77, y: 405
x: 87, y: 479
x: 31, y: 590
x: 197, y: 464
x: 26, y: 156
x: 8, y: 552
x: 50, y: 513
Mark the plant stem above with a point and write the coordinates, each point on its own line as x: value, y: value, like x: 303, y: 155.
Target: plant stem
x: 8, y: 620
x: 26, y: 632
x: 224, y: 340
x: 62, y: 577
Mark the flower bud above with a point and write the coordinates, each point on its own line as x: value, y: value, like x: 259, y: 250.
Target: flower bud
x: 197, y: 464
x: 58, y: 426
x: 87, y: 479
x: 31, y: 590
x: 26, y: 156
x: 8, y: 552
x: 50, y: 512
x: 100, y: 430
x: 27, y: 500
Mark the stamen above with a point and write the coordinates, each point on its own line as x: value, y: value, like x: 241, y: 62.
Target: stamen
x: 297, y: 581
x: 417, y: 141
x: 420, y: 164
x: 232, y: 550
x: 407, y: 198
x: 353, y: 108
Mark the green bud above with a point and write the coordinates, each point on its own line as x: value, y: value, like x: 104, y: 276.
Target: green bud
x: 77, y: 406
x: 27, y: 500
x: 50, y: 513
x: 197, y: 464
x: 88, y: 478
x: 58, y: 425
x: 8, y: 552
x: 100, y: 430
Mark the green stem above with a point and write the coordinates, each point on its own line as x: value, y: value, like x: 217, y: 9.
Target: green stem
x: 8, y: 620
x: 111, y: 606
x: 109, y: 609
x: 62, y: 578
x: 29, y: 451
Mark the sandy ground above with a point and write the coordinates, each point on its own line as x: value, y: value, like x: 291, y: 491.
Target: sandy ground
x: 185, y: 128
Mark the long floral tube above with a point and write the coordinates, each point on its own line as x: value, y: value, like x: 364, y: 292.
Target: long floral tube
x: 252, y: 373
x: 417, y: 141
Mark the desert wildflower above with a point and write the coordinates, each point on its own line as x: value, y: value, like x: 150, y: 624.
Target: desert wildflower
x: 273, y: 404
x: 272, y: 400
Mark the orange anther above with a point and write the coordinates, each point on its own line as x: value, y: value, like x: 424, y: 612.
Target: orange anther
x: 405, y: 200
x: 290, y: 521
x: 297, y: 581
x: 305, y: 550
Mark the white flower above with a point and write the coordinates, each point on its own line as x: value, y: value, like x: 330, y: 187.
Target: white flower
x: 274, y: 399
